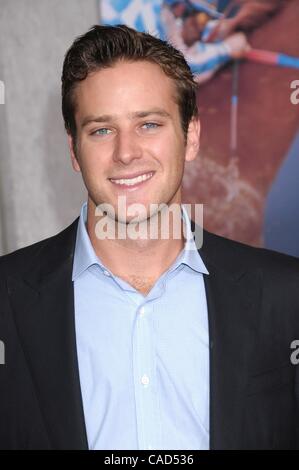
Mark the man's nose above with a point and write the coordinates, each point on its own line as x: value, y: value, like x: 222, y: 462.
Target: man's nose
x: 127, y: 148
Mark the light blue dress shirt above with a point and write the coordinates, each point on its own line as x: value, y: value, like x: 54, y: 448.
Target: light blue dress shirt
x: 143, y: 360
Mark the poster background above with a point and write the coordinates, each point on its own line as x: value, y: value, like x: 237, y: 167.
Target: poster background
x: 250, y: 194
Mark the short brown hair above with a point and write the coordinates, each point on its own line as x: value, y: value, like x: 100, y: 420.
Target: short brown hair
x: 102, y: 46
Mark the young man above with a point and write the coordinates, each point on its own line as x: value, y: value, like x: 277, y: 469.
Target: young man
x: 125, y: 342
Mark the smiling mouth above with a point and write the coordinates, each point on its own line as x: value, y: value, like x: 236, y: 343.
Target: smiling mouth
x: 132, y: 182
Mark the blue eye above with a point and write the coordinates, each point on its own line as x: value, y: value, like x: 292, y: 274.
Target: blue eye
x: 151, y: 125
x: 102, y: 131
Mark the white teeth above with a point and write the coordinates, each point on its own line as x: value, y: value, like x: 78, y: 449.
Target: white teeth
x: 130, y: 182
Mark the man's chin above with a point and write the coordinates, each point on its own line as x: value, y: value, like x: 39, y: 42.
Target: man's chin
x: 136, y: 213
x: 132, y: 219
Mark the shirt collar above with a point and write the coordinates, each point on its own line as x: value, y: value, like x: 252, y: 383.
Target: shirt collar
x: 85, y: 256
x: 190, y: 255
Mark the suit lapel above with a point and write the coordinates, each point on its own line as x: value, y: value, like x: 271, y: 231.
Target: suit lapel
x: 43, y: 306
x: 232, y: 297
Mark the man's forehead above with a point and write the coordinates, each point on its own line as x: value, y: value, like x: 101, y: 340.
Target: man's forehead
x: 96, y: 102
x: 124, y: 72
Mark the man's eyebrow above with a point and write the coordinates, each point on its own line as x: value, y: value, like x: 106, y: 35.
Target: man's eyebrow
x: 159, y: 111
x: 137, y: 114
x: 103, y: 118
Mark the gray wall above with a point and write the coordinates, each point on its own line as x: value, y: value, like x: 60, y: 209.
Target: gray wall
x: 39, y: 192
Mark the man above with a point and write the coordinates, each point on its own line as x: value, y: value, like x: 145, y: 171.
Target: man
x: 143, y: 343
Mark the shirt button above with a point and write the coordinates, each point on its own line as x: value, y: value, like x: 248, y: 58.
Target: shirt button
x: 106, y: 273
x: 145, y: 380
x: 142, y: 311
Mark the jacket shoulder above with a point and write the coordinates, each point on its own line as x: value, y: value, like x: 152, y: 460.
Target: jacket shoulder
x: 240, y: 256
x: 18, y: 261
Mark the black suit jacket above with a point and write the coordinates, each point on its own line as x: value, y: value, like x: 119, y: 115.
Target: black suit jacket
x: 253, y: 308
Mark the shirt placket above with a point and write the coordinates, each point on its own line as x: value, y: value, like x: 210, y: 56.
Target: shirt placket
x: 145, y: 378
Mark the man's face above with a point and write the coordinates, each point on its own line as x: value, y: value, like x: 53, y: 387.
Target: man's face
x: 128, y: 124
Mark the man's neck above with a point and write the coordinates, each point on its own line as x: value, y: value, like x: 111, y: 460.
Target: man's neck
x: 139, y: 261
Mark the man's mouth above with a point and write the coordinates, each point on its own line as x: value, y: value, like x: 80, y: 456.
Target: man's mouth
x: 135, y: 181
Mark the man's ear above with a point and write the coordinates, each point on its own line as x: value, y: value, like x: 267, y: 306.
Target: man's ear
x: 193, y: 139
x: 71, y: 144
